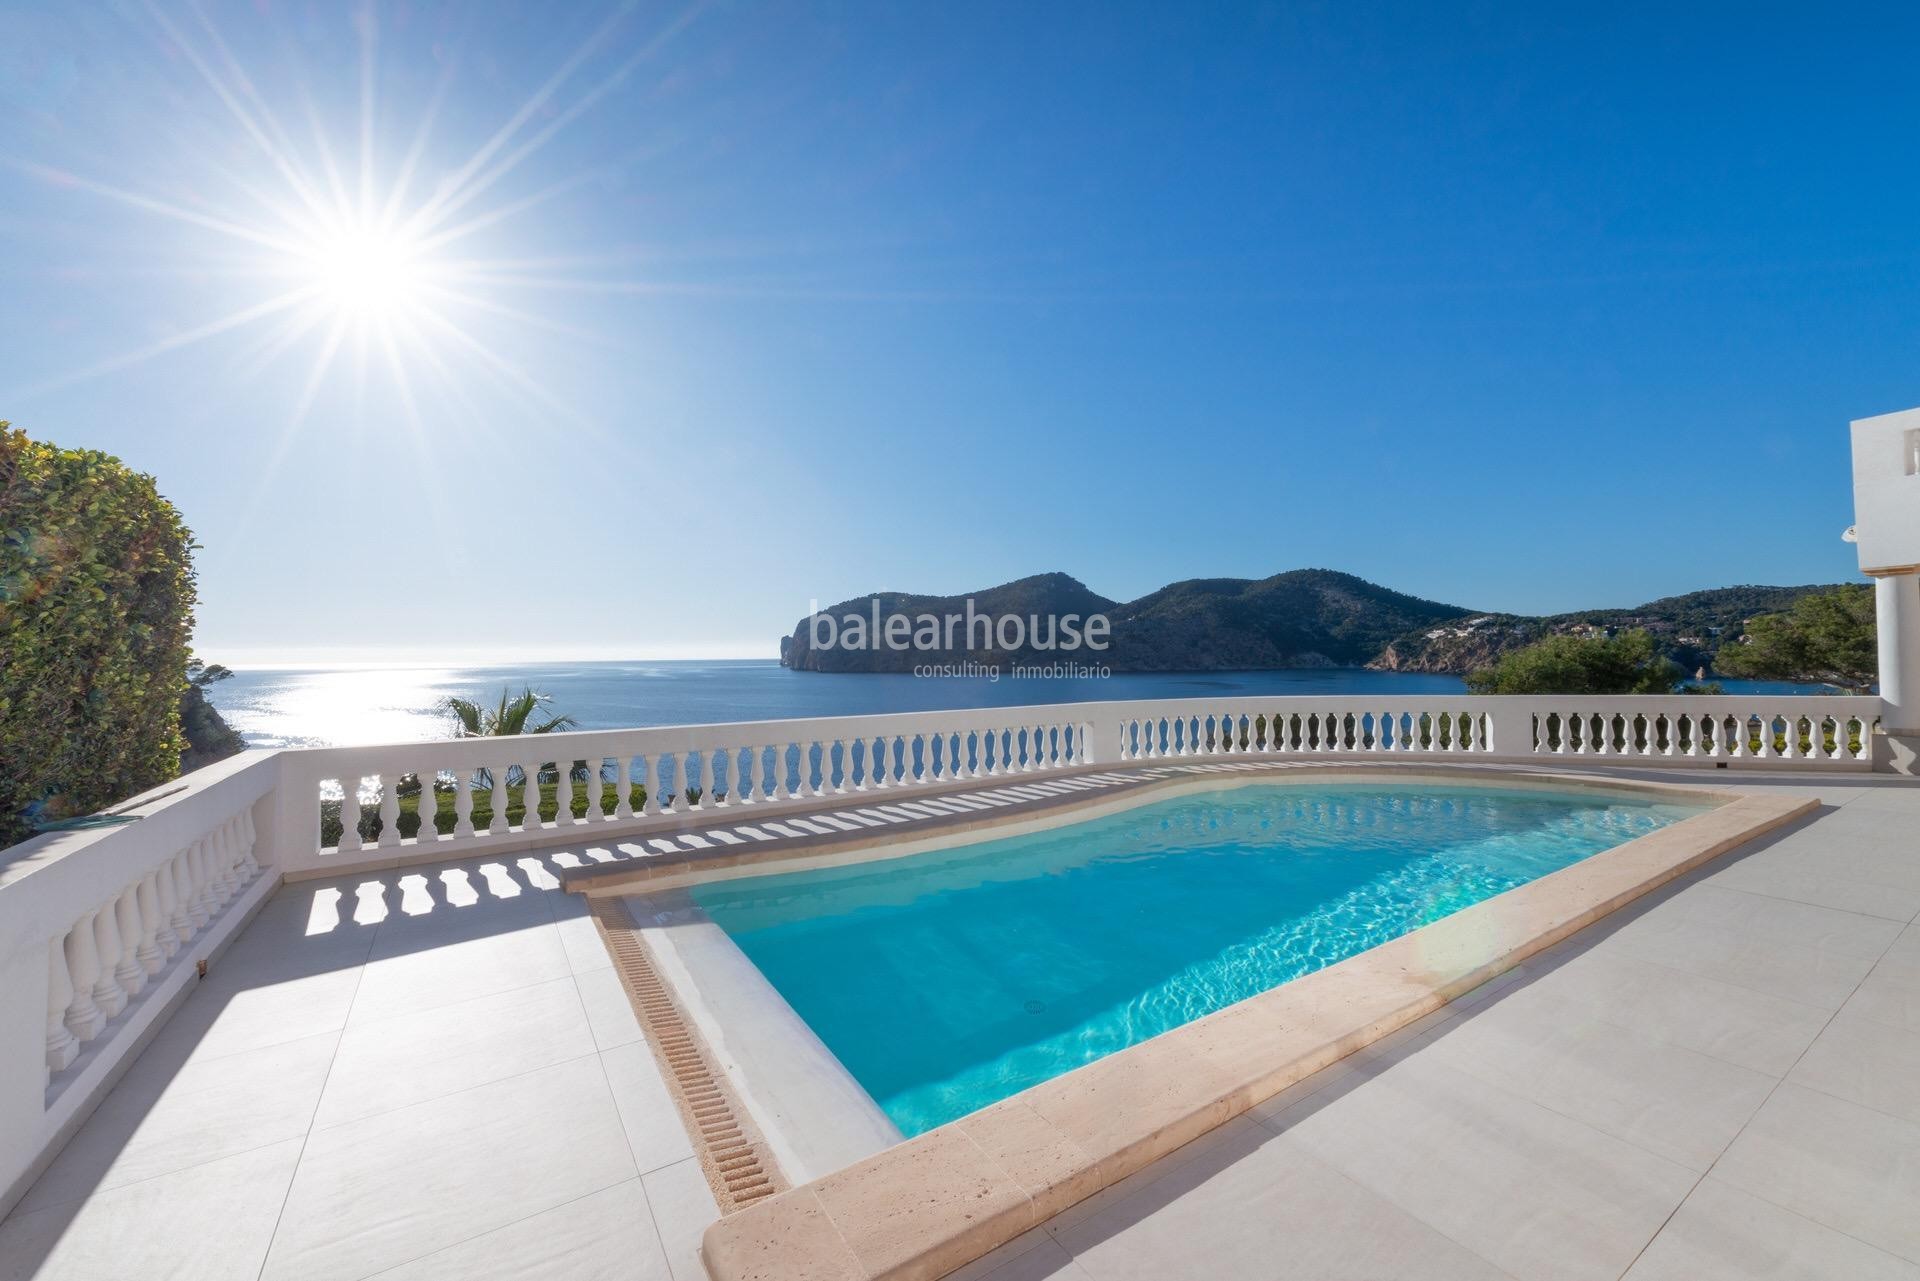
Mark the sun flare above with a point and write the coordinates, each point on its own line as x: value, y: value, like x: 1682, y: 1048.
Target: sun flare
x: 380, y: 254
x: 369, y: 273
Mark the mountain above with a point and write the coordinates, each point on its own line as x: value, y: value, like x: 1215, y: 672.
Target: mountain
x: 1302, y: 618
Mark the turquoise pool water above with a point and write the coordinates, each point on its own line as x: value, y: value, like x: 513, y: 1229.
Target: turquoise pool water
x: 947, y: 981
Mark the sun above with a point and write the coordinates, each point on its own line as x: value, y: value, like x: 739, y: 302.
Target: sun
x: 368, y: 273
x: 373, y: 256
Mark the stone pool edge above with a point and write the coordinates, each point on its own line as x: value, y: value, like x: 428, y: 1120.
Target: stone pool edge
x: 939, y: 1200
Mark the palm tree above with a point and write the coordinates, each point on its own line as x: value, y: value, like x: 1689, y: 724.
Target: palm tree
x: 513, y: 716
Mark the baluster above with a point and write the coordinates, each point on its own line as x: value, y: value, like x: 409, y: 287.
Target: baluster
x: 107, y: 992
x: 530, y: 797
x: 164, y: 935
x: 596, y: 789
x: 563, y: 793
x: 428, y: 809
x: 84, y: 1018
x: 739, y: 787
x: 650, y: 786
x: 128, y: 971
x: 219, y: 866
x: 235, y: 878
x: 178, y: 898
x: 390, y: 807
x: 879, y: 765
x: 200, y: 901
x: 61, y: 1048
x: 497, y: 824
x: 149, y: 952
x: 349, y: 813
x: 623, y: 787
x: 830, y: 749
x: 462, y: 803
x: 248, y: 838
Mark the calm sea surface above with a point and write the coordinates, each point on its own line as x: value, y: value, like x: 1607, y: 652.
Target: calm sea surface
x: 310, y: 707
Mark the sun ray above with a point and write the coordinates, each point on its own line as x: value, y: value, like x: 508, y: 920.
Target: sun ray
x: 410, y: 162
x: 279, y: 156
x: 174, y: 342
x: 369, y: 35
x: 533, y: 319
x: 509, y: 372
x: 427, y: 476
x: 479, y: 222
x: 540, y: 138
x: 151, y: 204
x: 451, y: 185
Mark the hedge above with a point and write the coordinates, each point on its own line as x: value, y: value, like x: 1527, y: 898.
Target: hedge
x: 96, y: 616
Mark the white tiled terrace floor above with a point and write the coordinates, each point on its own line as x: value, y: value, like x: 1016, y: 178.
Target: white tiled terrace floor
x: 435, y: 1074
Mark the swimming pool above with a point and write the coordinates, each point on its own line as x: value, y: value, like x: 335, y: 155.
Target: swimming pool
x: 945, y: 981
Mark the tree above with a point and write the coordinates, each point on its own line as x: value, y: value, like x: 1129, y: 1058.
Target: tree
x: 96, y: 608
x: 1827, y: 637
x: 1570, y: 664
x: 512, y: 716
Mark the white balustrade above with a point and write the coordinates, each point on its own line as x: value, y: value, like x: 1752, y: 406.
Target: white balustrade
x: 106, y: 925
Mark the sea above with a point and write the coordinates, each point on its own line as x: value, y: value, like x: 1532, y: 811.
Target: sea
x: 360, y: 705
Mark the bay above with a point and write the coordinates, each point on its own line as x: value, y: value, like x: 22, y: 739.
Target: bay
x: 358, y: 705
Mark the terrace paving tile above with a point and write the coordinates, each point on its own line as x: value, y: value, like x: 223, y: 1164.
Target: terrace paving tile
x: 1671, y: 1007
x: 1757, y: 945
x: 208, y: 1222
x: 1675, y: 1102
x: 458, y: 969
x: 603, y: 1236
x: 386, y: 1064
x: 648, y: 1116
x: 682, y: 1206
x: 609, y: 1012
x: 164, y: 1116
x: 1866, y: 1061
x: 1835, y: 1162
x: 1046, y: 1261
x: 1252, y: 1201
x: 1539, y: 1194
x: 387, y: 1189
x: 1722, y: 1234
x: 1886, y: 998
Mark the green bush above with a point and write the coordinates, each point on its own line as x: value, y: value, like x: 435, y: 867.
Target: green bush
x: 96, y: 610
x: 1568, y: 664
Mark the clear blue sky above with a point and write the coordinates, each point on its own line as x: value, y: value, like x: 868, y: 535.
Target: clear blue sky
x: 1519, y: 307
